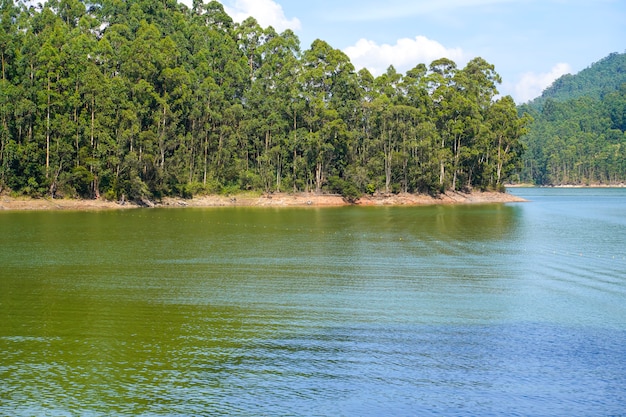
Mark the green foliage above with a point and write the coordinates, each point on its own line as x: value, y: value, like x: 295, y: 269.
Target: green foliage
x: 347, y: 189
x: 134, y: 100
x: 600, y: 78
x: 579, y: 132
x: 81, y: 181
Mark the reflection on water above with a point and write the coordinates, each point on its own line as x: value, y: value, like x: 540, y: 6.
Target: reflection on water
x: 487, y: 309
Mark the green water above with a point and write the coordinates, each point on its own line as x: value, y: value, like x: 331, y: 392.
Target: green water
x: 488, y: 309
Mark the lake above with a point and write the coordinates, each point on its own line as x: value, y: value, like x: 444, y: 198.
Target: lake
x: 516, y: 309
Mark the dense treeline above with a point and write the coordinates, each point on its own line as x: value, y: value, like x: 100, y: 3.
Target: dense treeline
x: 139, y: 99
x: 578, y: 135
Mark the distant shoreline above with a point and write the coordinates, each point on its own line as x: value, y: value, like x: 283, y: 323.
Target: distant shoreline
x: 8, y: 203
x: 566, y: 186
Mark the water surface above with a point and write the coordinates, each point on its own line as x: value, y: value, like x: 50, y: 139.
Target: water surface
x: 451, y: 310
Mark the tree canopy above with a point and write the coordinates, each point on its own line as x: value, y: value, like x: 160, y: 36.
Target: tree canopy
x: 579, y: 131
x: 140, y: 99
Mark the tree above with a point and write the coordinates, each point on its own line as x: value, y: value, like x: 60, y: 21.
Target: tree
x: 324, y: 80
x: 506, y: 129
x: 141, y: 99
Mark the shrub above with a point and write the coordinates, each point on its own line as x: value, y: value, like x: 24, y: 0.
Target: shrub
x: 348, y: 190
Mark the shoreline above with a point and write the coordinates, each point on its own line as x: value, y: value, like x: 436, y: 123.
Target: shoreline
x: 8, y: 203
x: 620, y: 185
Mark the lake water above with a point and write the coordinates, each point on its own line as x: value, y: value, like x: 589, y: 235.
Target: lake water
x: 516, y: 309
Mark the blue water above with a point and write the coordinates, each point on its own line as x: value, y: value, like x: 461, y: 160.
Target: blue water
x: 516, y: 309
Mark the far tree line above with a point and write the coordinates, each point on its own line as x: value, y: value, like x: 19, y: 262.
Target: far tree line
x: 141, y: 99
x: 578, y: 133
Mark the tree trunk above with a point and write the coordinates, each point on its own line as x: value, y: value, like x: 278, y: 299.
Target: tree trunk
x: 93, y: 119
x: 295, y: 138
x: 387, y: 172
x: 278, y: 173
x: 318, y: 177
x: 442, y: 163
x: 457, y: 152
x: 48, y: 133
x: 387, y: 150
x: 206, y: 157
x: 191, y: 150
x: 499, y: 164
x: 295, y: 188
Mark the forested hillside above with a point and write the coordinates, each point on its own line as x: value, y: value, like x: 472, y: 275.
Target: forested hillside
x: 579, y: 131
x: 140, y: 99
x: 604, y: 76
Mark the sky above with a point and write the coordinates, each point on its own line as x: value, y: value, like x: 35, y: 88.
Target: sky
x: 530, y: 42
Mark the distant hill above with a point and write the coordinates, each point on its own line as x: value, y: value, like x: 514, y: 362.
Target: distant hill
x: 604, y: 76
x: 578, y: 134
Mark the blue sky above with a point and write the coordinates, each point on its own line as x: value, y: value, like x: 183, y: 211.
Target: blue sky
x: 530, y: 42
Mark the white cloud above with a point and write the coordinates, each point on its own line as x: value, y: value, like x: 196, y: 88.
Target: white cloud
x: 404, y: 55
x: 266, y: 12
x: 531, y: 85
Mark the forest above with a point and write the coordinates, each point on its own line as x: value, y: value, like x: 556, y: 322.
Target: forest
x: 140, y: 99
x: 578, y: 133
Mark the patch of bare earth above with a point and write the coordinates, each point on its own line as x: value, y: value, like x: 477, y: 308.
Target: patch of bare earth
x: 475, y: 197
x: 267, y: 200
x: 42, y: 204
x: 331, y: 200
